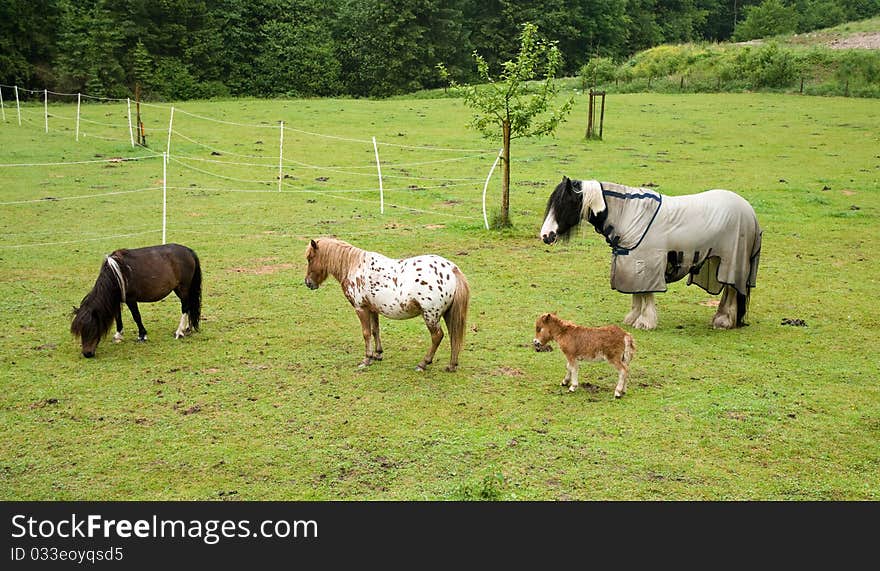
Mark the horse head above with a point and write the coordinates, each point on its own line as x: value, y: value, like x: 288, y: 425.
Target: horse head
x: 88, y: 327
x: 317, y: 271
x: 563, y: 212
x: 544, y: 331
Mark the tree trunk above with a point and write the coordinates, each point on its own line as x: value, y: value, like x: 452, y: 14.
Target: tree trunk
x: 505, y: 175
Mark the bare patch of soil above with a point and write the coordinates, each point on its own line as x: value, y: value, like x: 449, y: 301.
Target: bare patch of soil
x: 860, y: 40
x: 508, y: 371
x: 262, y: 270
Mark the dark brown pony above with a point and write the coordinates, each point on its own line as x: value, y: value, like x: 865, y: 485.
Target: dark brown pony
x: 141, y: 274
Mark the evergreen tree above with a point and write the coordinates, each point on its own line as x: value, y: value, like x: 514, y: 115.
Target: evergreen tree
x: 89, y: 45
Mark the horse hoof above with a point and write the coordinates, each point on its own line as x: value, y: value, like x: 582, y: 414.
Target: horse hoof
x: 617, y: 394
x: 451, y: 368
x: 572, y: 388
x: 420, y: 368
x: 142, y: 339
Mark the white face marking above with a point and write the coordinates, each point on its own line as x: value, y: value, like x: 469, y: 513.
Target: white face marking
x: 550, y: 225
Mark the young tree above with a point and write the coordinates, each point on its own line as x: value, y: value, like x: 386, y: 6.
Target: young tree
x: 511, y: 107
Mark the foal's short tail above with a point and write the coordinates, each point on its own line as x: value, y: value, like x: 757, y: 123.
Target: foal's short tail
x: 456, y: 315
x: 629, y: 348
x: 194, y: 307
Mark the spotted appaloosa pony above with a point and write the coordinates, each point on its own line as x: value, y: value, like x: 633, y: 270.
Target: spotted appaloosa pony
x: 608, y: 343
x: 429, y: 285
x: 712, y: 237
x: 140, y: 274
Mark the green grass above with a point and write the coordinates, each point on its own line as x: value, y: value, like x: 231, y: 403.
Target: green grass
x: 267, y: 403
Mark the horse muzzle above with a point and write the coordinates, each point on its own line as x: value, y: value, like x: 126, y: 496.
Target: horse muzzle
x: 310, y: 284
x: 540, y: 347
x: 549, y: 238
x: 88, y: 354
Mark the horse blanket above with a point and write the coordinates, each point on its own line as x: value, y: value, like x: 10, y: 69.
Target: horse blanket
x: 713, y: 237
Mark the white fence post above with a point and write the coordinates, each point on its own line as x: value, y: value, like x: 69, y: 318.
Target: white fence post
x: 46, y: 107
x: 17, y: 106
x: 379, y: 169
x: 170, y: 121
x: 280, y: 157
x: 485, y: 186
x: 78, y: 101
x: 2, y: 108
x: 130, y: 132
x: 164, y: 192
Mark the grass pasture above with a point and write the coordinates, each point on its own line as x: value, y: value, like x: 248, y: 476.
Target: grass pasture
x: 266, y: 402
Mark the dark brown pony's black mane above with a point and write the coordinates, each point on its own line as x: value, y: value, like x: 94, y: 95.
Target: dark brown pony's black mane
x: 97, y: 310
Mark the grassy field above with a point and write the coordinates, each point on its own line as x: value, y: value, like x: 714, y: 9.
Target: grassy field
x: 267, y: 402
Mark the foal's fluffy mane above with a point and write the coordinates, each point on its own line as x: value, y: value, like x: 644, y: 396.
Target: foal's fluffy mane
x: 337, y: 256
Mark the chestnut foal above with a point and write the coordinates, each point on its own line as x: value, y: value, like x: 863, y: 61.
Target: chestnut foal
x: 609, y: 343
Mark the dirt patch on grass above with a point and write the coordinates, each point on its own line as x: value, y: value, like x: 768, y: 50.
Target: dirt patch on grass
x: 508, y: 371
x: 262, y: 270
x: 860, y: 40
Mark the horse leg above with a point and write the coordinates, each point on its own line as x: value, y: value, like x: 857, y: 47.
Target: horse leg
x: 622, y: 371
x: 377, y: 342
x: 365, y: 317
x: 136, y: 314
x: 117, y: 337
x: 567, y: 378
x: 572, y: 367
x: 184, y: 326
x: 635, y: 310
x: 436, y: 338
x: 725, y: 317
x: 647, y: 317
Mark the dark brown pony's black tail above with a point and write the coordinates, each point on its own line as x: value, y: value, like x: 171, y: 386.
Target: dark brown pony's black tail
x: 194, y: 307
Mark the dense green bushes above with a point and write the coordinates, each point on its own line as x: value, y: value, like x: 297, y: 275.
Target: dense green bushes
x: 715, y: 67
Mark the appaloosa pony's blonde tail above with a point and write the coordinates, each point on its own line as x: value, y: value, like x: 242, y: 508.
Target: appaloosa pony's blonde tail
x: 629, y: 348
x: 456, y: 317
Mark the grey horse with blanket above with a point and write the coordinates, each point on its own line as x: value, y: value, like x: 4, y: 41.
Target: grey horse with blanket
x: 712, y: 237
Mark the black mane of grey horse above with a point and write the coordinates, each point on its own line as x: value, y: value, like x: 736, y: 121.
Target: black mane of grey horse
x: 137, y: 275
x: 567, y: 202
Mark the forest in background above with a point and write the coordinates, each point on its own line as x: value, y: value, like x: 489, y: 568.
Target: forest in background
x: 186, y: 49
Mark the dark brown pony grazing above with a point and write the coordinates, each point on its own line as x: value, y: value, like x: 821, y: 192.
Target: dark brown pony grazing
x: 141, y: 274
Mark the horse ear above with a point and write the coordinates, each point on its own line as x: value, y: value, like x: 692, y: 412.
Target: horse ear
x: 314, y: 245
x: 567, y: 182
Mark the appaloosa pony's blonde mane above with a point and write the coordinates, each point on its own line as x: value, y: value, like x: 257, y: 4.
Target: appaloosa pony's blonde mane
x: 337, y: 257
